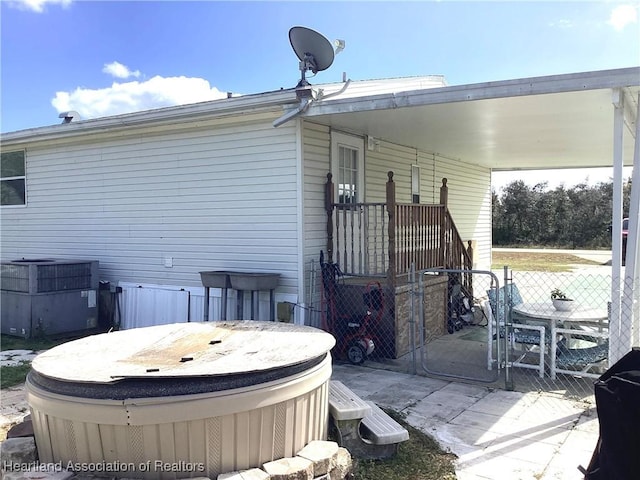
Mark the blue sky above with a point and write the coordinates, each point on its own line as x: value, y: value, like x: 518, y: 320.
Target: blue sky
x: 104, y: 58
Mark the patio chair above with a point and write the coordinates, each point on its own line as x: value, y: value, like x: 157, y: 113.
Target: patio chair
x: 526, y: 336
x: 580, y: 361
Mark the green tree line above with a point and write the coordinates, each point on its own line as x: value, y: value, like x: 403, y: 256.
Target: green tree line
x: 577, y: 217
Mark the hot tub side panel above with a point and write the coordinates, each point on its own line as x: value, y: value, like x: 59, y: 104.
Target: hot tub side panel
x: 199, y: 436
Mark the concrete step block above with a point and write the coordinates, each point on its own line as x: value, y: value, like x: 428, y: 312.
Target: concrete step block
x: 323, y: 454
x: 294, y: 468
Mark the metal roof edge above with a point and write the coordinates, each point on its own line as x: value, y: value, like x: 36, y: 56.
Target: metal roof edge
x: 594, y: 80
x: 408, y: 79
x: 174, y: 114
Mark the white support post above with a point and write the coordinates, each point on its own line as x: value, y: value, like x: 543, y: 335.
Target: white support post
x: 630, y: 311
x: 617, y: 344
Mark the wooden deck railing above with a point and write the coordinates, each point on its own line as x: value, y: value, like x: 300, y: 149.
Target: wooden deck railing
x: 418, y: 239
x: 387, y: 238
x: 361, y: 238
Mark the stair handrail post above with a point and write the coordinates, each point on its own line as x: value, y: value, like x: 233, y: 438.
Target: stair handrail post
x: 444, y: 200
x: 444, y: 193
x: 328, y: 206
x: 391, y: 211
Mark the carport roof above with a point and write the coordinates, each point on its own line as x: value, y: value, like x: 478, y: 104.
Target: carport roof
x: 560, y: 121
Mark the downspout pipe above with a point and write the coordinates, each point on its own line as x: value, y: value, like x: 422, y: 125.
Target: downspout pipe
x: 305, y: 102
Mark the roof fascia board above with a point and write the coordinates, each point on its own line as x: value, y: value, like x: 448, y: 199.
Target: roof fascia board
x: 618, y: 78
x: 147, y: 129
x: 170, y: 115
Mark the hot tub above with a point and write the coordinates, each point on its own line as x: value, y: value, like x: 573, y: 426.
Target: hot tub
x: 181, y: 400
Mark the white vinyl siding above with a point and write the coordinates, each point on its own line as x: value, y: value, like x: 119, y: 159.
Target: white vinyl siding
x: 220, y: 198
x: 379, y: 162
x: 429, y: 189
x: 316, y: 154
x: 469, y: 204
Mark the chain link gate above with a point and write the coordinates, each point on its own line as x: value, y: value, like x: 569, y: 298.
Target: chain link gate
x: 456, y: 337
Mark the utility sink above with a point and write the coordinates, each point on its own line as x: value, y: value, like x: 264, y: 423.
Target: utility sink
x: 216, y: 279
x: 239, y: 281
x: 253, y: 281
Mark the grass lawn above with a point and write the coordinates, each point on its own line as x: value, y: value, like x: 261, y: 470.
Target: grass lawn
x: 10, y: 376
x: 419, y: 458
x: 538, y: 262
x: 17, y: 343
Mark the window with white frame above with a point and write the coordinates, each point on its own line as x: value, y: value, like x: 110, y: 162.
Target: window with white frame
x: 415, y: 184
x: 13, y: 178
x: 347, y: 167
x: 347, y: 175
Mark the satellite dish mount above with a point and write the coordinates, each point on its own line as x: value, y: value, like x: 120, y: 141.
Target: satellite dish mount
x: 308, y: 63
x: 314, y: 51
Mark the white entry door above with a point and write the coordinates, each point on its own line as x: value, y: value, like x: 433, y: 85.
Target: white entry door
x: 347, y: 168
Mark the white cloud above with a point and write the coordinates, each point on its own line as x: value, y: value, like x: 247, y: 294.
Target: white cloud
x: 136, y: 96
x: 119, y: 70
x: 38, y: 6
x: 623, y: 15
x: 563, y: 23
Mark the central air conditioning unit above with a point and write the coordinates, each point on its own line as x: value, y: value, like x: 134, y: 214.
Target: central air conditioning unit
x: 44, y: 297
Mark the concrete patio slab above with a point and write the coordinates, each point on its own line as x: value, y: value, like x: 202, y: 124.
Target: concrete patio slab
x: 496, y: 434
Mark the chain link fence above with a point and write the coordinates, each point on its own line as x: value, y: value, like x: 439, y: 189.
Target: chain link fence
x: 360, y: 312
x: 425, y: 321
x: 575, y: 318
x: 500, y: 328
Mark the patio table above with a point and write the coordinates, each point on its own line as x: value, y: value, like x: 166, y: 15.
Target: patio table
x: 579, y: 316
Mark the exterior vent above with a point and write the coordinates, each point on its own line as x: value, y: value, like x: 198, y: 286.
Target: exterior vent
x: 68, y: 117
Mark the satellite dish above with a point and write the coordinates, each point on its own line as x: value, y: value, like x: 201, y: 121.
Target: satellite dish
x: 314, y: 51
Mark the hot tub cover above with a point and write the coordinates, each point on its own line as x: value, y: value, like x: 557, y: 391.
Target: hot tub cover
x: 182, y: 358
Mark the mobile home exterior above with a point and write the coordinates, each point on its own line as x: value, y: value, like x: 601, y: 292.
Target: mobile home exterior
x: 158, y: 196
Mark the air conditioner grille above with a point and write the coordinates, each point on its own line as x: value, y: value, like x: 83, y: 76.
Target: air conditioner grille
x: 14, y: 278
x: 48, y: 277
x: 53, y: 278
